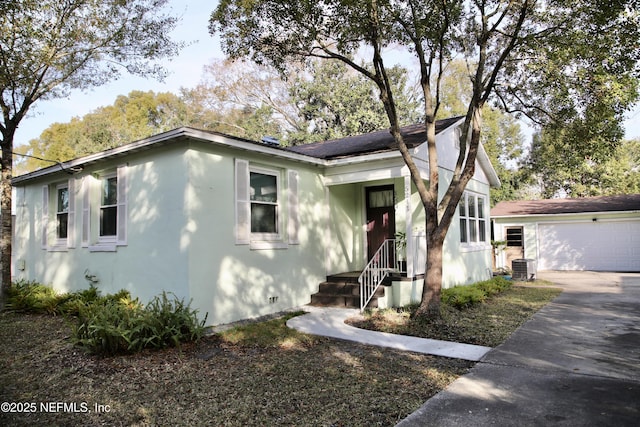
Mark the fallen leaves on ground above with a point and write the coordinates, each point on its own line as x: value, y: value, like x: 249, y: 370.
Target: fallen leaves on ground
x: 305, y: 381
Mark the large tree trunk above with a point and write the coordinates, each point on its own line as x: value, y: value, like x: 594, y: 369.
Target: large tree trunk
x: 430, y: 305
x: 5, y: 215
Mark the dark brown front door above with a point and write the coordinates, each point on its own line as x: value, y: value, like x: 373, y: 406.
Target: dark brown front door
x: 381, y: 218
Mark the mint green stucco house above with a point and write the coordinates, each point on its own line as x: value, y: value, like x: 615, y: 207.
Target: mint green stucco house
x: 241, y: 228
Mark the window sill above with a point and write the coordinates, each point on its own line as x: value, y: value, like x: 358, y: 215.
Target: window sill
x: 103, y: 248
x: 256, y: 245
x: 57, y: 249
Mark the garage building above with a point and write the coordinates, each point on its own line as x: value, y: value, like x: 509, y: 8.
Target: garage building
x: 594, y: 233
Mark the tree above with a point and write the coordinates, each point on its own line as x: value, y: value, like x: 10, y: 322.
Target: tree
x: 501, y: 134
x: 567, y: 157
x: 558, y: 170
x: 334, y: 101
x: 247, y: 100
x: 49, y: 47
x: 131, y: 117
x: 502, y: 41
x: 327, y: 101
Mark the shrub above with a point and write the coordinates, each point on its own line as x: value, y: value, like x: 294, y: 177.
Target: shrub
x: 123, y: 326
x: 105, y: 328
x: 167, y: 322
x: 113, y: 323
x: 33, y: 297
x: 465, y: 296
x: 494, y: 286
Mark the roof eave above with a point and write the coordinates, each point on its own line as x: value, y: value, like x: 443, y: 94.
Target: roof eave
x: 161, y: 139
x: 525, y: 215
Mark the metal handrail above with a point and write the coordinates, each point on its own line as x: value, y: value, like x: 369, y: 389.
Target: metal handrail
x: 376, y: 271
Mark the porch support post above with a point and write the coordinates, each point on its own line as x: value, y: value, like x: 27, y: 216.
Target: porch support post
x: 409, y: 227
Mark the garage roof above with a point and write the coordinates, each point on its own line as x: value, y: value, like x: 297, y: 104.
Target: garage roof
x: 621, y: 203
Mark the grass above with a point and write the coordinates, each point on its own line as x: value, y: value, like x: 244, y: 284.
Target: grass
x: 254, y: 375
x: 487, y: 324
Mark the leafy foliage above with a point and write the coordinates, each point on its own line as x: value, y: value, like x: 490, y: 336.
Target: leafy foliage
x: 117, y: 327
x: 557, y: 170
x: 462, y: 297
x: 32, y: 297
x: 113, y: 323
x: 338, y: 102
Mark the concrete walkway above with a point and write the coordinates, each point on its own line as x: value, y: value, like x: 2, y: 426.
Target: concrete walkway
x: 329, y: 322
x: 575, y: 363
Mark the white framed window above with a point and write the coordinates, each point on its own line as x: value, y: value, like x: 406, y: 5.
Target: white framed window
x: 104, y: 210
x: 58, y: 216
x: 473, y: 219
x: 264, y: 186
x: 108, y: 208
x: 262, y: 205
x: 62, y: 212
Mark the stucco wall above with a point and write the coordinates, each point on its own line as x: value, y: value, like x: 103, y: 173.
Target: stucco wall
x: 236, y: 281
x: 181, y: 216
x: 151, y: 261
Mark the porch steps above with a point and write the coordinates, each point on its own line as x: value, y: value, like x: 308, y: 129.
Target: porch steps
x: 343, y: 290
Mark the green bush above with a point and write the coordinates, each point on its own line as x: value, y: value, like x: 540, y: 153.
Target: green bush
x: 494, y: 286
x: 33, y: 297
x: 121, y: 327
x: 106, y: 328
x: 463, y: 296
x: 113, y: 323
x: 466, y: 296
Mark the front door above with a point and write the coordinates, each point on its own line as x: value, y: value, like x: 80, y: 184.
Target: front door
x: 515, y: 244
x: 381, y: 218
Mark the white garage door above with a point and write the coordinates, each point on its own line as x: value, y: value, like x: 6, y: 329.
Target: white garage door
x: 600, y: 246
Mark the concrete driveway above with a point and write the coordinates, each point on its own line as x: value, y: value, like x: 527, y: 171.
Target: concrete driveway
x: 575, y: 363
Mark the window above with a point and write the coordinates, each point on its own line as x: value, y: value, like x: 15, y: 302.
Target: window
x: 265, y: 210
x: 514, y: 236
x: 109, y: 206
x: 473, y: 223
x: 58, y: 217
x: 62, y: 212
x: 263, y: 194
x: 104, y: 210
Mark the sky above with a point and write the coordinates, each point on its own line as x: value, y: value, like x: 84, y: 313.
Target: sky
x: 184, y: 71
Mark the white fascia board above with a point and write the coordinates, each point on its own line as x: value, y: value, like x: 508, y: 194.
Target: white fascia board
x: 365, y: 158
x: 370, y: 167
x: 485, y: 163
x: 362, y: 176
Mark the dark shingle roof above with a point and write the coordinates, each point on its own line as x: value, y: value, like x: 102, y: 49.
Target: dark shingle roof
x: 373, y: 142
x: 624, y: 202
